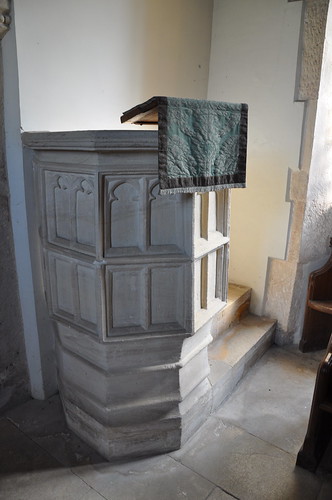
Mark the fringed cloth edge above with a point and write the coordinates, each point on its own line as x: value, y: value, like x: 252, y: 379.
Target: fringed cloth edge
x: 200, y: 189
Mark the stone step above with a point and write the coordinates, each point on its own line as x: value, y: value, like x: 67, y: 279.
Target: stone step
x: 235, y: 351
x: 237, y: 307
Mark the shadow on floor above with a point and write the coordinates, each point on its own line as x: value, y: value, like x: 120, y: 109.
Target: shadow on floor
x: 246, y: 450
x: 35, y: 436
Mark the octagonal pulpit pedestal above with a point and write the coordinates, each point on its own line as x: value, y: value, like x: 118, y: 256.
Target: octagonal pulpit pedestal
x: 133, y: 281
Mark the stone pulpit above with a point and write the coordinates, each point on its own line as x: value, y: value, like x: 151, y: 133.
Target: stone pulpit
x: 133, y: 283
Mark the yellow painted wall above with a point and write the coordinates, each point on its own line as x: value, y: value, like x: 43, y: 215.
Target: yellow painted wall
x: 253, y: 59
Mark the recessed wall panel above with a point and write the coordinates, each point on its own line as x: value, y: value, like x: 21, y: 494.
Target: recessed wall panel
x: 86, y: 280
x: 70, y: 210
x: 123, y: 216
x: 167, y: 295
x: 74, y: 291
x: 64, y: 286
x: 166, y: 221
x: 61, y: 208
x: 85, y: 214
x: 126, y: 290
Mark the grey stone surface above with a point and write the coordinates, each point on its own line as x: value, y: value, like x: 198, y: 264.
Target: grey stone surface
x: 222, y: 461
x: 246, y: 466
x: 38, y: 418
x: 219, y: 494
x: 19, y: 453
x: 233, y: 353
x: 195, y: 409
x: 237, y: 342
x: 159, y: 478
x: 315, y: 355
x: 310, y: 218
x: 60, y: 484
x: 238, y: 302
x: 312, y: 45
x: 279, y: 293
x: 274, y: 401
x: 127, y: 272
x: 14, y: 379
x: 44, y: 422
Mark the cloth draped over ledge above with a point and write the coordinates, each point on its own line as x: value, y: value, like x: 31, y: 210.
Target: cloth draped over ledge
x: 202, y: 145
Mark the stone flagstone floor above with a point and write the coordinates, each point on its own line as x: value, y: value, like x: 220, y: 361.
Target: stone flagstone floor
x: 246, y: 450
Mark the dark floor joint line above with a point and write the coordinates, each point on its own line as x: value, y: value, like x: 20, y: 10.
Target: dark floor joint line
x: 91, y: 488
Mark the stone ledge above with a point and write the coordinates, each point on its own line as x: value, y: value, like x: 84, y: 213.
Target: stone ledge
x: 233, y: 353
x: 237, y: 307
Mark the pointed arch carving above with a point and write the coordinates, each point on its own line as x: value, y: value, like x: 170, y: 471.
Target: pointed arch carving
x: 164, y: 221
x: 85, y: 212
x: 123, y: 214
x: 70, y: 210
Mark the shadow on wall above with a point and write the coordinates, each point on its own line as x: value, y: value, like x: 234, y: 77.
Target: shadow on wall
x: 176, y: 48
x: 14, y: 379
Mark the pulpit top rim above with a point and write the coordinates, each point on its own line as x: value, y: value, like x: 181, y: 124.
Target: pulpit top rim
x: 92, y: 140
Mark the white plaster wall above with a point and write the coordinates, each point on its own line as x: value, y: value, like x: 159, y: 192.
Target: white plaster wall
x: 82, y: 63
x: 317, y: 226
x: 253, y: 60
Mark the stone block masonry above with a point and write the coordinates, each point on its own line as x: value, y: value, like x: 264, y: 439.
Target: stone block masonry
x: 133, y: 281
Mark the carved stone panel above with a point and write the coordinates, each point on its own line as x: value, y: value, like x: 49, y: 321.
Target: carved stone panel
x: 146, y: 298
x: 74, y: 289
x: 85, y: 210
x: 138, y: 220
x: 87, y: 297
x: 126, y: 286
x: 119, y: 261
x: 166, y: 229
x: 167, y: 296
x: 123, y: 218
x: 70, y: 217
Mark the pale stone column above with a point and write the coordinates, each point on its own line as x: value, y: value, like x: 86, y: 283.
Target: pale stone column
x: 287, y: 279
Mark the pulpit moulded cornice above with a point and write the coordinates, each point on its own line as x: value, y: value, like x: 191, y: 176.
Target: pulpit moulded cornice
x: 4, y: 17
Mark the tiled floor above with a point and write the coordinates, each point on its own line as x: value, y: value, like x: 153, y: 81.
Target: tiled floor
x: 247, y: 450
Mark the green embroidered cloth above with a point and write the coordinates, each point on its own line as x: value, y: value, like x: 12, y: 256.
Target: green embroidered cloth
x: 202, y: 144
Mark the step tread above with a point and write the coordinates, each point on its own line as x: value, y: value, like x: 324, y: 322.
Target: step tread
x: 237, y: 292
x: 237, y: 340
x: 233, y: 353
